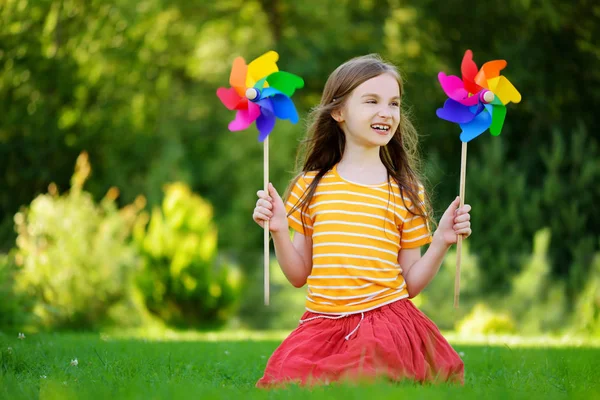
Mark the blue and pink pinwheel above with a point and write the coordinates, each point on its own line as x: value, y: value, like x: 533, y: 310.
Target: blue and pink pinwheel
x: 478, y: 100
x: 260, y: 93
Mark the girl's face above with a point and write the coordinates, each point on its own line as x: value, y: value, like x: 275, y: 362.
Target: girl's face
x: 371, y: 113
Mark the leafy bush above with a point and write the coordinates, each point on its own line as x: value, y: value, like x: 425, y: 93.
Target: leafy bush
x: 482, y: 320
x: 74, y: 256
x: 586, y: 317
x: 537, y: 299
x: 183, y: 280
x: 286, y: 303
x: 534, y: 302
x: 437, y: 300
x: 13, y: 309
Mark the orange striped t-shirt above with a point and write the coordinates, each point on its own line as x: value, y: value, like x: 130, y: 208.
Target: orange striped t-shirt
x: 357, y: 232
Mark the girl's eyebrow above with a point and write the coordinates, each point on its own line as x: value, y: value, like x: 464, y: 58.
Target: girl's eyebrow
x: 376, y: 95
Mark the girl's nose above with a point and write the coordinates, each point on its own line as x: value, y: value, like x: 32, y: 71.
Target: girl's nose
x: 384, y: 112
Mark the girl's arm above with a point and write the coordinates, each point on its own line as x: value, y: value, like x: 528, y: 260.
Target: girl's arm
x: 294, y: 256
x: 419, y: 271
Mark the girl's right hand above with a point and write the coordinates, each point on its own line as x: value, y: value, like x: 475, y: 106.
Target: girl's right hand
x: 270, y: 207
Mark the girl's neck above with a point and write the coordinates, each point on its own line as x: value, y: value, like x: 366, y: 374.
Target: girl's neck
x: 362, y: 165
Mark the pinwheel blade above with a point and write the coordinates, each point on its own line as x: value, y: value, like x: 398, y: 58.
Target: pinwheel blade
x: 285, y: 82
x: 498, y: 116
x: 454, y: 88
x: 231, y: 99
x: 490, y: 69
x: 476, y: 127
x: 261, y: 67
x: 244, y: 118
x: 265, y: 123
x: 455, y: 112
x: 261, y: 83
x: 468, y: 70
x: 237, y: 78
x: 504, y: 90
x: 284, y: 108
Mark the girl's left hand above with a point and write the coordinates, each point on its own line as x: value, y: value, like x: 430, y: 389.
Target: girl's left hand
x: 455, y: 221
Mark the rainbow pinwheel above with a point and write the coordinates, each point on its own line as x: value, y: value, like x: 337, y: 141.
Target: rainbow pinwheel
x: 478, y: 100
x: 260, y: 93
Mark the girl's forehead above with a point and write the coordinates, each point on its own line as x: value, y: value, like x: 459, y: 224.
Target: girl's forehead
x: 384, y: 85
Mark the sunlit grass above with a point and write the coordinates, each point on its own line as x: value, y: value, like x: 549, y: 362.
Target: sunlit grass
x: 161, y: 333
x: 169, y: 364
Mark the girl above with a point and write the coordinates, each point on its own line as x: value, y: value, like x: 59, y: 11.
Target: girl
x: 358, y: 211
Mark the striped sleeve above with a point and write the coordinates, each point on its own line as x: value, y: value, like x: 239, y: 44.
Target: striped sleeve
x: 415, y: 229
x: 299, y: 222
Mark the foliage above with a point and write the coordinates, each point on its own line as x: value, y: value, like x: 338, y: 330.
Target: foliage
x: 183, y: 280
x: 482, y: 320
x: 286, y: 303
x: 533, y: 301
x: 437, y: 300
x: 133, y: 84
x: 73, y: 256
x: 586, y: 317
x: 12, y: 307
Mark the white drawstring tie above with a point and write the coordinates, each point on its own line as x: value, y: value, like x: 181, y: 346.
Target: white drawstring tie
x: 347, y: 337
x: 362, y: 316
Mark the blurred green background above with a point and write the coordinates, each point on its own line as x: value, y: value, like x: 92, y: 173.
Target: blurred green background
x: 125, y: 201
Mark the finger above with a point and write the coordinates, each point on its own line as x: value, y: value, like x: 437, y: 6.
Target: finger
x: 261, y: 223
x: 264, y: 203
x: 453, y: 206
x: 462, y: 218
x: 264, y: 211
x: 461, y: 226
x: 273, y: 192
x: 263, y: 195
x: 464, y: 209
x: 464, y: 232
x: 259, y: 216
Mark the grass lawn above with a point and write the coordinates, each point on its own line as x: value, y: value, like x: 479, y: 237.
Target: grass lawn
x: 226, y: 366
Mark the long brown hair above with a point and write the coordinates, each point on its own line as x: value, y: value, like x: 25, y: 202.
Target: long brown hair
x: 325, y: 141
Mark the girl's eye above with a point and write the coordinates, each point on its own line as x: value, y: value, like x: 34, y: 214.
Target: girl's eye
x: 371, y: 101
x: 396, y: 104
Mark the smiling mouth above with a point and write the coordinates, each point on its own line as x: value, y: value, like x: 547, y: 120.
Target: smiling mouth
x: 382, y: 129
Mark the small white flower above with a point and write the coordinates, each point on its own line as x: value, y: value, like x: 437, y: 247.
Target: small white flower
x: 21, y: 335
x: 9, y: 350
x: 74, y: 362
x: 43, y: 376
x: 226, y: 352
x: 462, y: 354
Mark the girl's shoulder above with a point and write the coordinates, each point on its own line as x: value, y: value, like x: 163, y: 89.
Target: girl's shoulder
x: 302, y: 180
x: 306, y: 176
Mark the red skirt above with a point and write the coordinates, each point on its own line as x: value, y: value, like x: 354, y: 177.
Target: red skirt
x: 395, y: 341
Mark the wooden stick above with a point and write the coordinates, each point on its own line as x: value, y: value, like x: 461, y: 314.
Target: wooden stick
x: 463, y: 175
x: 266, y: 230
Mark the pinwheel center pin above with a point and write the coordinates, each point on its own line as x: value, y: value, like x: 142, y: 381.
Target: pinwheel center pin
x: 252, y: 94
x: 487, y: 96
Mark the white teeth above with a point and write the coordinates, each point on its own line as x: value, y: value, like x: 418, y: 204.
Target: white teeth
x: 381, y: 127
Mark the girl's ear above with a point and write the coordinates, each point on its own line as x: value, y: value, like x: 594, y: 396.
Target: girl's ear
x: 337, y: 115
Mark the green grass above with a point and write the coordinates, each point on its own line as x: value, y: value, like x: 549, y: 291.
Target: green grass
x: 227, y: 365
